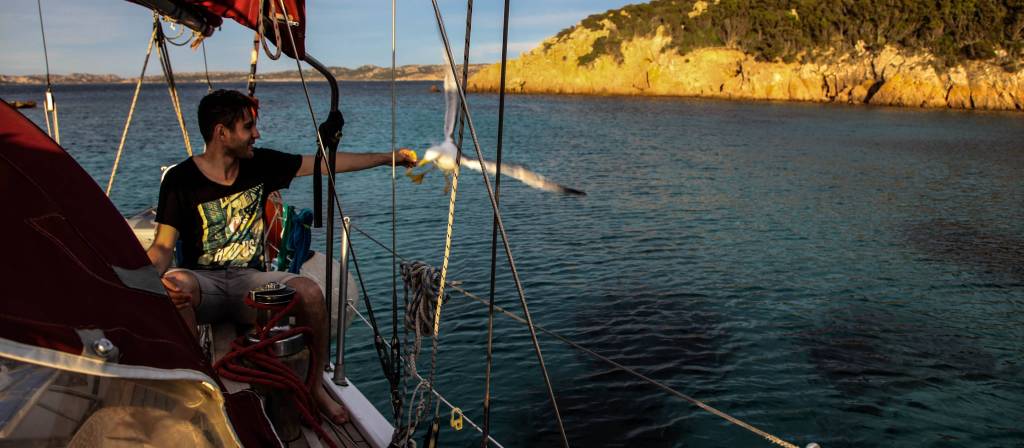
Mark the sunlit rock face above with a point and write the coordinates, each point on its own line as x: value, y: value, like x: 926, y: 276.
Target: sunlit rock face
x: 649, y: 66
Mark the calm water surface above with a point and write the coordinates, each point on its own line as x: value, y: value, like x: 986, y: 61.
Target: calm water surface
x: 843, y: 275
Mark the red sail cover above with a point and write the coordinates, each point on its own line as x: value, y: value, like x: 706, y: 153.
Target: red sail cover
x: 62, y: 239
x: 247, y: 13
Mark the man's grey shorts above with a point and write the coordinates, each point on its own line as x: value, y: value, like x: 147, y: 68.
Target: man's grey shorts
x: 223, y: 291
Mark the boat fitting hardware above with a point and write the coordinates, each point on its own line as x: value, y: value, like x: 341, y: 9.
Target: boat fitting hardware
x: 103, y: 348
x: 456, y: 419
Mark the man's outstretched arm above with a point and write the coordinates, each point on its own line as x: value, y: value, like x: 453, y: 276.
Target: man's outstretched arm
x: 355, y: 161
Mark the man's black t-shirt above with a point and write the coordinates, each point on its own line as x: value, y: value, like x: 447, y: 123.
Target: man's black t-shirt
x: 221, y: 226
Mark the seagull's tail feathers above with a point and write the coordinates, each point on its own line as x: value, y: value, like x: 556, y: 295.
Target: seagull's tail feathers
x: 523, y: 175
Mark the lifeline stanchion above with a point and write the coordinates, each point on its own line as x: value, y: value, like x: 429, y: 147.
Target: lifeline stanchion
x: 339, y: 359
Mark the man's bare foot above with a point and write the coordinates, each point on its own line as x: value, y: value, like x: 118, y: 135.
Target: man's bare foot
x: 330, y: 408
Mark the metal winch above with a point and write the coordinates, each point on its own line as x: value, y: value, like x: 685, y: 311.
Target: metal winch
x: 292, y: 351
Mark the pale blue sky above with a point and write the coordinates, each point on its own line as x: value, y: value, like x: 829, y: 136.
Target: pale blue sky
x: 110, y: 36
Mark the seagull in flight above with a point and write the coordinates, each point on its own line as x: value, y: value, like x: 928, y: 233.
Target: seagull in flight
x: 443, y: 155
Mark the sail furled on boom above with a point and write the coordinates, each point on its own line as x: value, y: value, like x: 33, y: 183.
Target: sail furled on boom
x: 204, y: 16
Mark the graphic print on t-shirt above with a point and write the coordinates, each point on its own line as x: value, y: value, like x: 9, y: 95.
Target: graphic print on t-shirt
x: 232, y: 229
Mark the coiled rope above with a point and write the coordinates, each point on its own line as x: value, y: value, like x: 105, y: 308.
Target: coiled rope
x: 268, y: 371
x: 423, y: 299
x: 433, y: 391
x: 422, y: 281
x: 174, y: 40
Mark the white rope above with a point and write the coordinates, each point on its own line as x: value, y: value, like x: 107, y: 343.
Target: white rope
x: 172, y: 90
x: 131, y: 111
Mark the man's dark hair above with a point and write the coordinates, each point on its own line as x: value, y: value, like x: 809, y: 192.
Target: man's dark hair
x: 224, y: 107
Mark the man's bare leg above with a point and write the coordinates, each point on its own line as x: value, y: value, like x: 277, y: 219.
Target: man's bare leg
x: 313, y: 313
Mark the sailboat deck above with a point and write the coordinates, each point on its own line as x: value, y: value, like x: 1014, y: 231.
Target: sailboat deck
x: 347, y: 435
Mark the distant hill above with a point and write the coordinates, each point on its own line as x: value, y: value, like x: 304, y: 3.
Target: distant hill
x: 932, y: 53
x: 363, y: 73
x: 952, y: 31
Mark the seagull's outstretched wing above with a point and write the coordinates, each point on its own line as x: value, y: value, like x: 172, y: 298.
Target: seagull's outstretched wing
x: 451, y: 99
x: 523, y: 175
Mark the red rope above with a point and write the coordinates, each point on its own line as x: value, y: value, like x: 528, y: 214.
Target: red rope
x: 268, y: 371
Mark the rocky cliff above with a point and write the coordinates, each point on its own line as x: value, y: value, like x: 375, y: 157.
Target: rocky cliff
x: 649, y: 65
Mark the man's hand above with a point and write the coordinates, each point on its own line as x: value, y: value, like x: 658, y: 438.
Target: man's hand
x: 406, y: 157
x: 180, y: 298
x: 330, y: 129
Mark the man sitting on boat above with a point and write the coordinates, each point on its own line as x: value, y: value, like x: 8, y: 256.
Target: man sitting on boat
x: 214, y: 202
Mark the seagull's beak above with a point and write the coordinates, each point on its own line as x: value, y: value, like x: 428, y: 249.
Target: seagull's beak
x: 423, y: 162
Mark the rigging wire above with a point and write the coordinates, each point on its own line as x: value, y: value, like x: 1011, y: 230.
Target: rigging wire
x: 46, y: 55
x: 206, y: 67
x: 494, y: 230
x: 501, y: 229
x: 465, y: 293
x: 50, y: 104
x: 395, y: 347
x: 131, y: 109
x: 659, y: 384
x: 172, y: 89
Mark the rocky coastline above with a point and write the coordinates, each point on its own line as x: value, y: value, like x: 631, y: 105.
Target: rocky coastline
x: 412, y: 72
x: 885, y: 76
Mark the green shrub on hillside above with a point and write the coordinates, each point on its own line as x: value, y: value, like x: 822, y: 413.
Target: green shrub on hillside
x: 952, y: 30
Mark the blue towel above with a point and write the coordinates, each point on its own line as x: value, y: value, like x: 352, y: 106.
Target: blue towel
x: 300, y: 239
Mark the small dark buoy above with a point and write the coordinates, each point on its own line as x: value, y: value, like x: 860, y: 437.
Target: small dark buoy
x: 434, y: 88
x: 22, y: 104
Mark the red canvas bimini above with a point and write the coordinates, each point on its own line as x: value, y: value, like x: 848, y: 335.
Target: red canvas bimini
x: 85, y: 325
x: 206, y: 15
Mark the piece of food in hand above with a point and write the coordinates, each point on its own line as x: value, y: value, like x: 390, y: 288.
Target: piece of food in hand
x: 409, y: 154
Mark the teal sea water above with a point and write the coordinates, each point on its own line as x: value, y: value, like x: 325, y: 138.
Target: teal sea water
x: 851, y: 276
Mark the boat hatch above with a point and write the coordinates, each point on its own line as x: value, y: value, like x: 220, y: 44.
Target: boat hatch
x: 42, y: 406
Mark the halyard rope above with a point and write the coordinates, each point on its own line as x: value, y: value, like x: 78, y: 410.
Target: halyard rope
x: 172, y: 89
x: 131, y: 110
x: 501, y: 228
